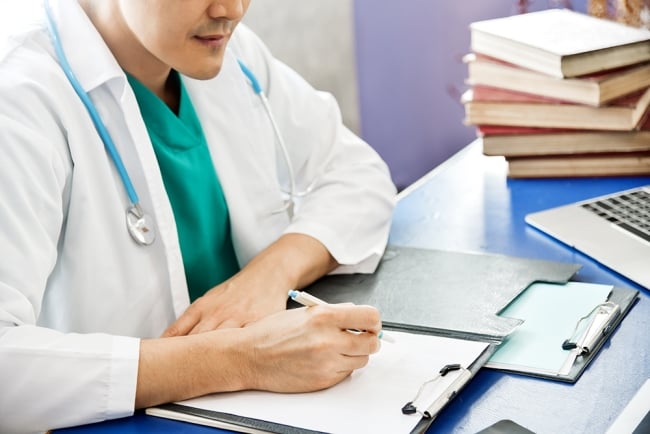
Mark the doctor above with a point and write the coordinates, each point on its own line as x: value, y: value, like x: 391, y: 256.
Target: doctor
x: 153, y: 217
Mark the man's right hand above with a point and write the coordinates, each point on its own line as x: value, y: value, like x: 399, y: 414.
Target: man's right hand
x: 296, y: 350
x: 308, y: 349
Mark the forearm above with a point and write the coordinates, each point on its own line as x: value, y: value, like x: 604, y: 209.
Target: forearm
x: 173, y: 369
x: 294, y: 259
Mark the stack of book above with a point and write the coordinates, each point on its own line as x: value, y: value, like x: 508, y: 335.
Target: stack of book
x: 560, y: 93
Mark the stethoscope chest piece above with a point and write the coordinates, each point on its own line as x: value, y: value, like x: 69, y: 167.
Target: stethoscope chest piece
x: 140, y: 226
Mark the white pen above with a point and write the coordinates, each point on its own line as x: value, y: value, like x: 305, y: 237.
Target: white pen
x: 308, y: 300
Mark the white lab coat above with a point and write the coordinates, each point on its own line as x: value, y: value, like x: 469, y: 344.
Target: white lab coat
x: 76, y: 292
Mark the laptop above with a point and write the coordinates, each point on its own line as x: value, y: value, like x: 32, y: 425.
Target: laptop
x: 613, y: 229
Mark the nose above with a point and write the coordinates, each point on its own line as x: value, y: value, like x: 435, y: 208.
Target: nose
x: 232, y: 10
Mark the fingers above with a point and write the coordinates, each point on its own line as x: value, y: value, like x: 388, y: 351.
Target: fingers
x: 355, y: 344
x: 184, y: 324
x: 227, y: 324
x: 223, y: 307
x: 349, y: 317
x: 193, y: 322
x: 364, y: 318
x: 310, y: 348
x: 206, y: 324
x: 354, y: 328
x: 355, y: 362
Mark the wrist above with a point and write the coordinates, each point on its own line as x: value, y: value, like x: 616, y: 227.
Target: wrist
x: 178, y: 368
x: 228, y: 360
x: 294, y: 261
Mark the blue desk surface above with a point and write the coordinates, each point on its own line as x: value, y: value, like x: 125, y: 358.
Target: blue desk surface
x: 468, y: 204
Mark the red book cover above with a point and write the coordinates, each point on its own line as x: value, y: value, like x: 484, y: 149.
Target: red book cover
x: 505, y: 130
x: 495, y: 94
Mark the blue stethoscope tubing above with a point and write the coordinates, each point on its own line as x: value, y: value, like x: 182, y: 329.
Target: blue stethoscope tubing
x: 257, y: 88
x: 92, y: 111
x: 139, y: 224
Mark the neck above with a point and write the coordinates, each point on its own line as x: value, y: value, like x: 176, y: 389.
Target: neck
x: 131, y: 55
x: 172, y: 93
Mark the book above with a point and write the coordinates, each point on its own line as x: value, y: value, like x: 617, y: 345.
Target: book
x: 560, y: 42
x: 370, y: 400
x: 591, y: 89
x: 495, y: 106
x: 605, y: 164
x: 524, y: 142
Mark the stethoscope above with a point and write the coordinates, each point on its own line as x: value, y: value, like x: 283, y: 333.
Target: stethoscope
x: 139, y: 224
x: 292, y: 195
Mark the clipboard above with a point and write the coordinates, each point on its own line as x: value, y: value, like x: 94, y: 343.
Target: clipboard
x: 401, y: 393
x: 582, y: 321
x: 456, y: 294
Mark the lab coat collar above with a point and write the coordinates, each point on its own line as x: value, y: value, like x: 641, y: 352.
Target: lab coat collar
x: 95, y: 66
x: 90, y: 58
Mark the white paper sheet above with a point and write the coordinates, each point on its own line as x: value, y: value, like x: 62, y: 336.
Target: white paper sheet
x: 368, y: 401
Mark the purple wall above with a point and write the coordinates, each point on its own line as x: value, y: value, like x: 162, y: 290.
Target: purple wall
x: 410, y: 76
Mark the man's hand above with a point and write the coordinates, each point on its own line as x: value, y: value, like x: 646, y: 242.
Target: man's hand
x: 307, y: 349
x: 296, y: 350
x: 235, y: 303
x: 259, y: 289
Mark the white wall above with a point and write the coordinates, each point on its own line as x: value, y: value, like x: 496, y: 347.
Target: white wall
x: 316, y: 39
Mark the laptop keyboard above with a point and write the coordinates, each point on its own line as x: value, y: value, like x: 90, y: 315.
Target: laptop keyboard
x: 629, y: 211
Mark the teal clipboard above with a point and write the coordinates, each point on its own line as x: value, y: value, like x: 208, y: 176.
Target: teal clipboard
x: 564, y: 327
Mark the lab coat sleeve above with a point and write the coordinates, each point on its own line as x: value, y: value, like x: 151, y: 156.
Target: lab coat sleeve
x: 48, y: 379
x: 52, y: 380
x: 351, y: 195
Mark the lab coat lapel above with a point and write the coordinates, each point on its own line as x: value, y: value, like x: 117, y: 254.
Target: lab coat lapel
x: 244, y: 155
x: 103, y: 75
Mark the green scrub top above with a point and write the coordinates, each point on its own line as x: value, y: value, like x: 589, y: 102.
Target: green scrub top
x: 193, y: 188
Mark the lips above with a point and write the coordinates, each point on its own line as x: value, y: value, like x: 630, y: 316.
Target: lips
x: 210, y: 37
x: 213, y: 41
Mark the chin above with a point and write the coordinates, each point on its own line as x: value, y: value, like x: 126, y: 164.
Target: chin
x: 206, y: 74
x: 206, y: 69
x: 201, y: 73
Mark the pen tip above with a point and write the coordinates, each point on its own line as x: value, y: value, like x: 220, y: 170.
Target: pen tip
x: 292, y: 293
x: 384, y: 337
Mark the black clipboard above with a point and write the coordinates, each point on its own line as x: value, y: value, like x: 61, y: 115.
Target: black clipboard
x: 445, y: 293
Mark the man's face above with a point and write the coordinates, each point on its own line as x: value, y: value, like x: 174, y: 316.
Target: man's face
x: 189, y: 36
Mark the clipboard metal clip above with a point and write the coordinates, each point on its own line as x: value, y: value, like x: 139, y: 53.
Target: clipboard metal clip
x: 585, y: 338
x: 600, y: 321
x: 428, y: 388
